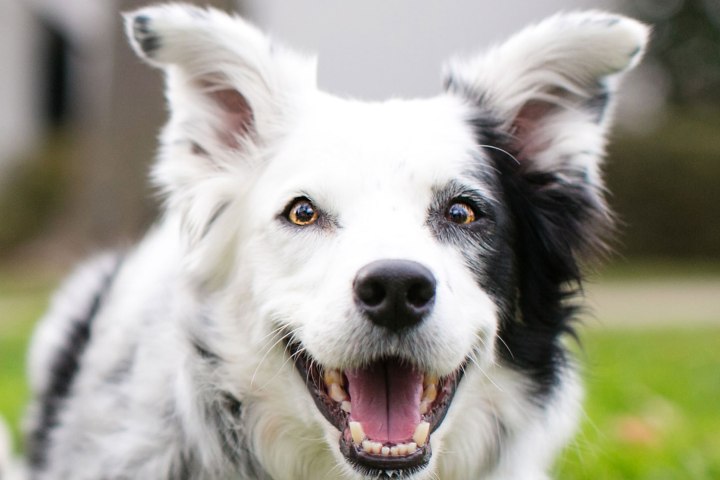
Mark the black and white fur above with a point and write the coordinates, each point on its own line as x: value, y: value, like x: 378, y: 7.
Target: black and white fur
x: 168, y: 361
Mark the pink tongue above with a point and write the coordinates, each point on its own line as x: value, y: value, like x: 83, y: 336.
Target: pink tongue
x: 385, y: 399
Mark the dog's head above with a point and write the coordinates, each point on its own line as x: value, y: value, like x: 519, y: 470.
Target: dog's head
x: 391, y: 250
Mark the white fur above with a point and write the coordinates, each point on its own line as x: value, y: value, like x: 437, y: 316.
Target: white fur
x: 220, y: 266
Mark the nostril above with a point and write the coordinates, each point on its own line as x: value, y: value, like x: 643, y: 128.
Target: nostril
x: 420, y: 294
x: 371, y: 293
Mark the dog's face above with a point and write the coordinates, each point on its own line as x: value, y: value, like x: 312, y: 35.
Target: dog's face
x: 370, y: 257
x: 381, y: 250
x: 383, y: 200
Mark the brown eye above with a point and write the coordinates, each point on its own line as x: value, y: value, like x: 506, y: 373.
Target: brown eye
x: 302, y: 212
x: 460, y: 213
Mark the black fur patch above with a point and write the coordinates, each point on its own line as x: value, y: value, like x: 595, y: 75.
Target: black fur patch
x: 555, y: 221
x: 558, y: 223
x: 149, y: 42
x: 64, y: 369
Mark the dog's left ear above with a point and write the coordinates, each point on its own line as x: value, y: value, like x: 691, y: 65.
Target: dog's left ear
x: 551, y: 87
x: 545, y: 97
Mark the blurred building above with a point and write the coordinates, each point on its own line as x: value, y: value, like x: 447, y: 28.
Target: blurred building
x: 18, y: 81
x: 58, y: 57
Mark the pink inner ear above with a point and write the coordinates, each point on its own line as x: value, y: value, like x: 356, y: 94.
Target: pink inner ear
x: 526, y: 125
x: 238, y: 117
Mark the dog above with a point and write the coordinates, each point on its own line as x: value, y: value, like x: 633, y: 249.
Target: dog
x: 341, y: 289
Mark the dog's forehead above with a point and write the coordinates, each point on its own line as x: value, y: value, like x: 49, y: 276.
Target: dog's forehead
x: 424, y: 142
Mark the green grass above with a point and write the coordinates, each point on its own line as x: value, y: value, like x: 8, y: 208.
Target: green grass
x: 652, y: 407
x: 22, y: 302
x: 652, y: 404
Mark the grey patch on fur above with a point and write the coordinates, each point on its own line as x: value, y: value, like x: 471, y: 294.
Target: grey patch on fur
x: 598, y: 103
x: 215, y: 215
x: 196, y: 149
x: 123, y: 369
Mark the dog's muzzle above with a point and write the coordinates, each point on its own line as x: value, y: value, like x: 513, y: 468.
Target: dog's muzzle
x: 385, y: 408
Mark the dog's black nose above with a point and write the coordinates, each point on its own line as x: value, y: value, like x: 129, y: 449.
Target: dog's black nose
x: 395, y: 294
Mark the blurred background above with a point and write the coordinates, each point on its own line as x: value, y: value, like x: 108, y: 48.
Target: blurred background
x: 79, y: 115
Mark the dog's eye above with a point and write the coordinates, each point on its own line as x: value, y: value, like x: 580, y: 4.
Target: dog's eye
x: 302, y: 212
x: 460, y: 213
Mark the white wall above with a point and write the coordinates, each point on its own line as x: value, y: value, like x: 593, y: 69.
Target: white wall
x: 18, y: 77
x: 373, y: 49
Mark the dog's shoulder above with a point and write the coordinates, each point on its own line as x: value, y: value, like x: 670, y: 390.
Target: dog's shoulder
x: 65, y: 328
x: 60, y: 339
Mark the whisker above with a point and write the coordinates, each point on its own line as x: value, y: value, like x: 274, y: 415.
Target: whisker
x: 268, y: 350
x: 502, y: 151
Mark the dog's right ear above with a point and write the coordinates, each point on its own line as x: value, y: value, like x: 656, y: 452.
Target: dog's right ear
x: 221, y: 73
x: 231, y: 94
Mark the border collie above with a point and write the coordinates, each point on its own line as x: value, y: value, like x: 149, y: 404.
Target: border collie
x: 340, y: 289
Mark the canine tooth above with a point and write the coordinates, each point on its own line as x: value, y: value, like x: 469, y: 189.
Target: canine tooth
x: 385, y: 451
x: 411, y: 447
x: 394, y: 451
x: 430, y: 379
x: 346, y: 406
x: 357, y: 432
x: 421, y: 433
x: 332, y: 377
x: 430, y: 393
x: 424, y: 407
x: 337, y: 393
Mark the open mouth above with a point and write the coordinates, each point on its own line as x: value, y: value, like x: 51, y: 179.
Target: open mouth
x: 385, y: 411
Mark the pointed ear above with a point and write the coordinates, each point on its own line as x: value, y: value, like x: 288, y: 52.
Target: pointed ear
x: 551, y: 87
x: 221, y: 73
x: 230, y: 92
x: 548, y: 92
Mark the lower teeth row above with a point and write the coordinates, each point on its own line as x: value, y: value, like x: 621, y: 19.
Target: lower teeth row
x: 398, y: 450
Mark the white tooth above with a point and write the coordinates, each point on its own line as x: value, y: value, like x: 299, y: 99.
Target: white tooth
x: 385, y: 451
x: 357, y: 432
x: 367, y: 446
x: 346, y: 406
x: 402, y: 449
x: 394, y: 451
x: 430, y: 393
x: 421, y: 433
x: 376, y: 448
x: 424, y: 407
x: 430, y: 379
x: 332, y: 376
x: 337, y: 393
x: 411, y: 447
